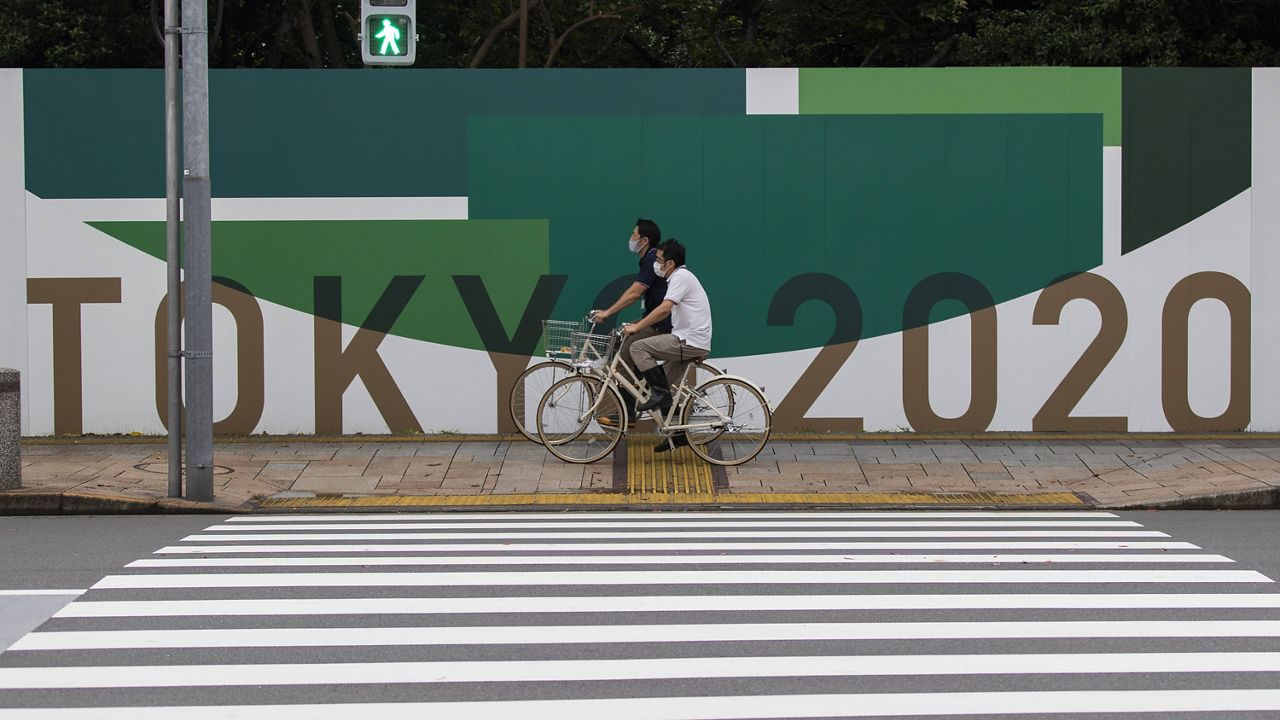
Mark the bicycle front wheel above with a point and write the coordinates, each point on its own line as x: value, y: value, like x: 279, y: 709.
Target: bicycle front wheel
x: 731, y: 421
x: 528, y: 389
x: 569, y: 419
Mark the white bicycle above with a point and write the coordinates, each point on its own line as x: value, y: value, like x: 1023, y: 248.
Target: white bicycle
x: 581, y: 417
x: 534, y: 382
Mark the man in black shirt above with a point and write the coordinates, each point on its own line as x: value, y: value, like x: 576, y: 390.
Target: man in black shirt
x: 644, y: 241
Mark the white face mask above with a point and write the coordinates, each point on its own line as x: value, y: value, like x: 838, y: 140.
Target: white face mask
x: 633, y: 246
x: 657, y: 269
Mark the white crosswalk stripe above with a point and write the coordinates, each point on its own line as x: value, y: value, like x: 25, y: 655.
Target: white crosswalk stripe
x: 679, y: 534
x: 636, y: 547
x: 682, y: 524
x: 659, y: 615
x: 667, y: 560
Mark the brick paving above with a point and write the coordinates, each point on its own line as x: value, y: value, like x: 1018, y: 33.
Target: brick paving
x: 1109, y: 472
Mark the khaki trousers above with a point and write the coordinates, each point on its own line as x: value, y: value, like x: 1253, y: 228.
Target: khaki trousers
x: 629, y: 340
x: 646, y: 353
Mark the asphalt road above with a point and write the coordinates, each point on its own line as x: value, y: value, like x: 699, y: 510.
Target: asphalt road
x: 1147, y: 614
x: 71, y: 553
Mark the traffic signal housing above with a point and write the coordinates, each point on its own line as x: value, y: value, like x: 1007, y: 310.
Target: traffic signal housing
x: 388, y: 32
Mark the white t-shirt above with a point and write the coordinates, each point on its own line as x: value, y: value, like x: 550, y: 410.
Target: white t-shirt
x: 691, y: 316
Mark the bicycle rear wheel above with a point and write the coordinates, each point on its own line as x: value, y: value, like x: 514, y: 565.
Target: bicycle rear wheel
x: 528, y: 390
x: 569, y: 419
x: 735, y: 417
x: 703, y: 372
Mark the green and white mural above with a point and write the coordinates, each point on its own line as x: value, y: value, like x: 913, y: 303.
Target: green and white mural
x: 963, y: 249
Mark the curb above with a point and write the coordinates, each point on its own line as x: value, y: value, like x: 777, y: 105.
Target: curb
x: 74, y: 503
x: 1260, y: 499
x: 676, y: 501
x: 19, y: 502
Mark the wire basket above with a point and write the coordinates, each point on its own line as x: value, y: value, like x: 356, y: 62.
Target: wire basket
x: 557, y: 337
x: 593, y: 350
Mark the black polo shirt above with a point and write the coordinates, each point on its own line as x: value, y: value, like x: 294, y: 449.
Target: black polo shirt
x: 656, y: 288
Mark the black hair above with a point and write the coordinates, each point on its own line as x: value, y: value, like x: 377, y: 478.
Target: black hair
x: 649, y: 229
x: 674, y: 251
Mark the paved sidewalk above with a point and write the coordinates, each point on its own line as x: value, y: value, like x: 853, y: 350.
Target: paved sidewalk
x: 1116, y: 471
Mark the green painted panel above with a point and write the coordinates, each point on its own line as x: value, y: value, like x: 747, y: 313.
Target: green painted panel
x: 879, y: 201
x: 278, y: 260
x: 950, y: 91
x: 1187, y: 146
x: 96, y: 133
x: 299, y: 133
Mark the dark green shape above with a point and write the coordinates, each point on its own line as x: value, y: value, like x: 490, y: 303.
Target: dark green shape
x: 1187, y: 146
x: 385, y: 313
x: 923, y: 300
x: 879, y: 202
x: 522, y: 339
x: 94, y: 133
x: 300, y: 133
x: 281, y: 261
x: 822, y: 288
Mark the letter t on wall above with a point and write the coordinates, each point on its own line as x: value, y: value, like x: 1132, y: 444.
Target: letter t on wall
x: 66, y: 295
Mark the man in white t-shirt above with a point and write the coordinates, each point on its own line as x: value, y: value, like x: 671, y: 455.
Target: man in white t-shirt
x: 690, y: 337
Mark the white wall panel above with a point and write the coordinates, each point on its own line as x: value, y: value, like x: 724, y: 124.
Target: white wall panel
x: 1265, y: 249
x: 13, y: 232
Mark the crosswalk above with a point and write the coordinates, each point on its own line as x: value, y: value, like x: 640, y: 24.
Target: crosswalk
x: 660, y: 616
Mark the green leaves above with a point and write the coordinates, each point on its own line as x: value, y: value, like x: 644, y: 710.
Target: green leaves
x: 77, y: 33
x: 664, y: 33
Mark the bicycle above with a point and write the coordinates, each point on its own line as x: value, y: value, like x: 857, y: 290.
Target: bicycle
x: 537, y: 379
x: 726, y: 419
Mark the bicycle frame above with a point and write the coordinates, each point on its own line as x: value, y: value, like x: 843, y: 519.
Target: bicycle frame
x: 618, y: 375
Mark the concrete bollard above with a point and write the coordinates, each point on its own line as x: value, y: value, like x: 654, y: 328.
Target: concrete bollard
x: 10, y: 430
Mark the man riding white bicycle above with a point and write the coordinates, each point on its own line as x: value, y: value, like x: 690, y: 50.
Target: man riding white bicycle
x: 723, y: 419
x: 687, y: 304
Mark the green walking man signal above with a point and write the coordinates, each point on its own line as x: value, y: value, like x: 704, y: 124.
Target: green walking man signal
x: 388, y: 32
x: 389, y: 35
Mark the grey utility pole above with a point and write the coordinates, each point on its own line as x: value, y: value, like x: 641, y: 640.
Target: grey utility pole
x: 172, y: 157
x: 196, y: 238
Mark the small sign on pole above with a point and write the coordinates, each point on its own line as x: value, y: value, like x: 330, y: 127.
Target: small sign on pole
x: 388, y: 32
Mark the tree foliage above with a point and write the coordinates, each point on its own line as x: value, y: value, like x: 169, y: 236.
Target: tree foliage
x: 664, y: 33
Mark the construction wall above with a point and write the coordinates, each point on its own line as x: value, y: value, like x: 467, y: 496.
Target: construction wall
x: 952, y: 249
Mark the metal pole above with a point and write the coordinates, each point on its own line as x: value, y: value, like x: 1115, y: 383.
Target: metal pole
x: 196, y: 236
x: 172, y: 156
x: 524, y: 32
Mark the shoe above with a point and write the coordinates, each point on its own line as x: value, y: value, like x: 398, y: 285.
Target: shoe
x: 659, y: 390
x: 611, y: 420
x: 675, y: 441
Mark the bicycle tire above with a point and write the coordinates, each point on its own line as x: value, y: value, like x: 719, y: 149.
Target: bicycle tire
x: 518, y: 399
x: 567, y: 420
x: 702, y: 366
x: 750, y: 421
x: 712, y: 372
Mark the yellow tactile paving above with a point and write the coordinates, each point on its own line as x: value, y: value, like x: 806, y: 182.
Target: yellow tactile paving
x: 671, y: 473
x: 673, y: 498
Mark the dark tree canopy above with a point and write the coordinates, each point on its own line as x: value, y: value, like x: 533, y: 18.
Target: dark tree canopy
x: 654, y: 33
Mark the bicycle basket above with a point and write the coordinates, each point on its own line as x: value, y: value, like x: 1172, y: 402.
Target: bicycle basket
x: 593, y: 349
x: 557, y: 337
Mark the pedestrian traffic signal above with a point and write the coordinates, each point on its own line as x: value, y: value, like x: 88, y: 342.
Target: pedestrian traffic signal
x: 388, y: 32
